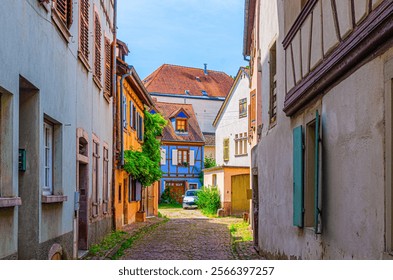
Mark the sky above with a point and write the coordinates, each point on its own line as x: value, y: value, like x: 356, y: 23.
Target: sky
x: 182, y: 32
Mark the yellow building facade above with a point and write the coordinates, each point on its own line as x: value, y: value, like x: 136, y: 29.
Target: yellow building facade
x: 132, y: 202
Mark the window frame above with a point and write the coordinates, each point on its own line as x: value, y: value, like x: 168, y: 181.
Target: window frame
x: 105, y: 180
x: 183, y: 157
x: 243, y: 108
x: 48, y: 163
x: 185, y: 125
x: 95, y: 151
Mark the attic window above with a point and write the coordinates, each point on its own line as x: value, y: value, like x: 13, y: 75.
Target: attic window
x: 204, y: 93
x: 181, y: 125
x: 198, y: 79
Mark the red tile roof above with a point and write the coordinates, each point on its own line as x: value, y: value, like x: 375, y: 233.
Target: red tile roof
x: 174, y: 79
x: 194, y: 132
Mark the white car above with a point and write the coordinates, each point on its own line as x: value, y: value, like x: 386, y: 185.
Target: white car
x: 190, y: 198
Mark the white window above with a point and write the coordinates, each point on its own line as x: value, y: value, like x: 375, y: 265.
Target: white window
x: 48, y: 159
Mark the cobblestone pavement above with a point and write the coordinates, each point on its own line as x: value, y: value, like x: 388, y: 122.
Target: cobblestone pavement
x: 189, y: 235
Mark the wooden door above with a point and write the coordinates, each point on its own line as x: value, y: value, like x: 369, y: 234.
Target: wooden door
x: 239, y: 202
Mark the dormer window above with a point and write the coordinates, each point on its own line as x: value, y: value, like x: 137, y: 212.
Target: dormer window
x: 204, y: 93
x: 181, y: 125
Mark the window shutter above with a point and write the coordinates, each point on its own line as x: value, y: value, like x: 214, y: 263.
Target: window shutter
x: 174, y: 157
x: 163, y: 156
x: 192, y: 158
x: 108, y: 68
x: 84, y: 29
x: 142, y: 127
x: 97, y: 47
x: 298, y: 176
x: 252, y: 108
x: 226, y: 149
x: 124, y: 112
x: 131, y: 105
x: 316, y: 176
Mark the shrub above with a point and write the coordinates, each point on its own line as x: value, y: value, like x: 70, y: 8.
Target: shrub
x: 209, y: 200
x: 166, y: 197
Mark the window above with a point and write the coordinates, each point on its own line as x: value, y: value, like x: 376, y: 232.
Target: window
x: 94, y: 198
x: 163, y: 156
x: 243, y: 108
x: 226, y: 149
x: 97, y: 49
x: 105, y: 181
x: 131, y: 113
x: 140, y: 126
x: 182, y: 157
x: 306, y: 192
x: 181, y: 125
x: 273, y: 86
x: 124, y: 112
x: 48, y: 158
x: 131, y: 189
x: 214, y: 180
x: 241, y: 144
x: 84, y: 32
x: 108, y: 68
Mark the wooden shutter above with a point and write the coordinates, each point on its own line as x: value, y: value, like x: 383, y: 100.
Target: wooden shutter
x: 174, y: 157
x: 252, y: 108
x: 298, y: 166
x: 97, y: 47
x: 316, y: 176
x: 84, y: 30
x: 61, y: 8
x: 192, y: 157
x: 108, y: 69
x: 163, y: 156
x: 226, y: 149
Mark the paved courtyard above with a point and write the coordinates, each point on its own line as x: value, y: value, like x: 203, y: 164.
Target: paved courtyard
x: 189, y: 235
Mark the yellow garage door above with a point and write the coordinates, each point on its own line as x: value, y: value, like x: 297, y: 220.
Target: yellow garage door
x: 240, y: 185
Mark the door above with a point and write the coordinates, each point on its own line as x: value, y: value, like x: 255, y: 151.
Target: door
x: 239, y: 202
x: 150, y: 200
x: 83, y: 206
x: 176, y: 190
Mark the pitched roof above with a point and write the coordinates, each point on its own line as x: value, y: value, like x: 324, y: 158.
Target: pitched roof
x: 194, y: 132
x: 210, y: 139
x: 174, y: 79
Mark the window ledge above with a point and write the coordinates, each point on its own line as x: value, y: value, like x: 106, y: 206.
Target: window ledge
x: 10, y: 201
x: 242, y: 155
x: 53, y: 198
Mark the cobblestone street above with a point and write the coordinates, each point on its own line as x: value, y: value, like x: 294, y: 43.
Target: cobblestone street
x: 189, y: 235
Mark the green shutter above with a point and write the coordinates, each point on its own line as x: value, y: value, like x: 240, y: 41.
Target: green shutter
x: 298, y: 177
x: 316, y: 174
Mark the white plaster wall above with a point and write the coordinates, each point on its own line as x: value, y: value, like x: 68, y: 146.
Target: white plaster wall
x: 205, y: 109
x: 33, y: 48
x: 230, y: 124
x: 352, y: 158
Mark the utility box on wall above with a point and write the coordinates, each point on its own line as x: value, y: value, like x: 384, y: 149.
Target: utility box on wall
x: 22, y: 160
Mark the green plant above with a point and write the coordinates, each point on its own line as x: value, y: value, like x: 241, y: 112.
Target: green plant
x: 209, y: 200
x: 167, y: 198
x: 209, y: 162
x: 144, y: 165
x: 240, y: 231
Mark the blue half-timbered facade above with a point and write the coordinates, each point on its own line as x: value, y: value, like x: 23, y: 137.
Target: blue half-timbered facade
x: 182, y: 149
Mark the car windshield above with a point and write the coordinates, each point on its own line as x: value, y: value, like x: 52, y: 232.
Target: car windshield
x: 191, y: 193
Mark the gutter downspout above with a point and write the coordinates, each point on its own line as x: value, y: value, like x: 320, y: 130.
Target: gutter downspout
x: 114, y: 109
x: 130, y: 67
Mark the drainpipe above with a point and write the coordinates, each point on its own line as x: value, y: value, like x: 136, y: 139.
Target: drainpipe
x: 130, y: 67
x: 114, y: 105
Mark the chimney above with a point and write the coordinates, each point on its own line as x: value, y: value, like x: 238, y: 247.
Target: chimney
x: 205, y: 70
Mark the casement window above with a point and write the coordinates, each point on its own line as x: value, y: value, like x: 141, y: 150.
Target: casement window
x: 108, y: 68
x: 226, y: 149
x: 214, y: 180
x: 84, y: 31
x: 181, y: 125
x: 131, y: 113
x: 124, y: 112
x: 140, y: 126
x: 48, y: 158
x: 105, y: 181
x: 183, y: 157
x: 63, y: 9
x: 273, y: 85
x: 306, y: 191
x: 97, y: 48
x: 163, y: 156
x: 94, y: 198
x: 243, y: 108
x: 241, y: 144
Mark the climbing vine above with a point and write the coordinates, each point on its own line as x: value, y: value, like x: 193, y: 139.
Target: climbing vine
x: 144, y: 165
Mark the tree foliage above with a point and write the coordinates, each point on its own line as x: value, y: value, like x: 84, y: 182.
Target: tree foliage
x: 144, y: 165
